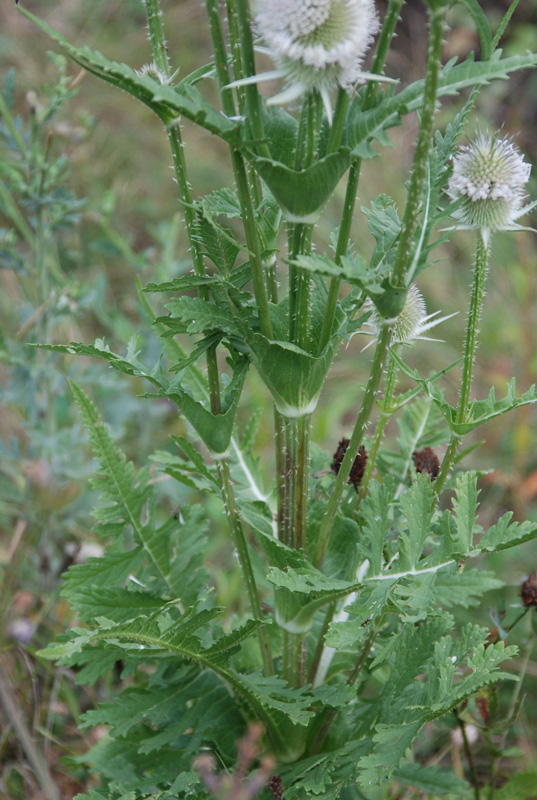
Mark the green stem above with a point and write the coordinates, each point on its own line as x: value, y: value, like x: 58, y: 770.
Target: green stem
x: 470, y: 349
x: 499, y: 747
x: 303, y: 310
x: 338, y: 123
x: 281, y: 472
x: 300, y: 239
x: 385, y: 414
x: 291, y: 463
x: 236, y: 52
x: 293, y: 519
x: 383, y: 46
x: 241, y: 546
x: 156, y: 36
x: 239, y: 170
x: 253, y: 99
x: 7, y: 119
x: 301, y: 496
x: 316, y: 660
x: 341, y: 250
x: 421, y: 156
x: 252, y: 242
x: 354, y: 444
x: 351, y: 680
x: 160, y: 57
x: 469, y: 757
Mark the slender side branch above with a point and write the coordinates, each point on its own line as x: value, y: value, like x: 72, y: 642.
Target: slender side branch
x: 385, y: 38
x: 160, y: 57
x: 253, y: 98
x: 354, y: 444
x: 470, y: 348
x: 421, y: 156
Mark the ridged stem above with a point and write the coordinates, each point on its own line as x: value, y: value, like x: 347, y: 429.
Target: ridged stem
x: 331, y: 715
x: 354, y: 443
x: 470, y: 349
x: 241, y: 177
x: 253, y: 98
x: 160, y: 56
x: 421, y: 156
x: 241, y: 547
x: 385, y: 38
x: 385, y: 414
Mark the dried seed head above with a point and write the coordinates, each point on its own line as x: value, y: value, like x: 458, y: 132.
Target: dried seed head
x: 358, y: 467
x: 339, y: 455
x: 275, y: 786
x: 528, y: 591
x: 489, y: 176
x: 426, y: 460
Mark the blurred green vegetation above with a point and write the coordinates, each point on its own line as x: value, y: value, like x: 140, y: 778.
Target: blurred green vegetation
x: 125, y: 225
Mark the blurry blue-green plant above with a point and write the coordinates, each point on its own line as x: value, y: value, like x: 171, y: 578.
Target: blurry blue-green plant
x: 348, y: 601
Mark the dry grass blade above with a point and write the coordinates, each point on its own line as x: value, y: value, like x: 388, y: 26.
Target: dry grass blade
x: 34, y: 756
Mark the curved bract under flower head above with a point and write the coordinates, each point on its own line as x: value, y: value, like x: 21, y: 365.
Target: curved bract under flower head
x: 318, y: 44
x: 488, y: 180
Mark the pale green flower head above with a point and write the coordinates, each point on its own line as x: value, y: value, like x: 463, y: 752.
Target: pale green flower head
x: 409, y: 325
x: 318, y: 45
x: 488, y: 180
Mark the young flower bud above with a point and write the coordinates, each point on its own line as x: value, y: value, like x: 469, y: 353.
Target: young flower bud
x: 488, y: 180
x: 410, y: 324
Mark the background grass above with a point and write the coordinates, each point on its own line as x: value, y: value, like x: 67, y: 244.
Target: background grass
x: 130, y: 228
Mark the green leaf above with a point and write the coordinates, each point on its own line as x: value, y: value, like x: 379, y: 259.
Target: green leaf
x: 352, y: 270
x: 200, y: 316
x: 418, y: 507
x: 464, y: 588
x: 480, y: 411
x: 505, y: 534
x: 370, y: 602
x: 125, y: 495
x: 190, y: 469
x: 362, y: 126
x: 483, y: 28
x: 116, y: 604
x: 392, y: 743
x: 375, y: 511
x: 166, y: 101
x: 303, y: 194
x: 183, y: 284
x: 431, y: 780
x: 521, y: 787
x: 293, y: 376
x: 214, y: 429
x: 274, y: 692
x: 110, y: 570
x: 465, y: 507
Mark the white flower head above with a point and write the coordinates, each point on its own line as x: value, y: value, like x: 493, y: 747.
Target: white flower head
x: 409, y: 325
x: 488, y: 180
x: 318, y: 45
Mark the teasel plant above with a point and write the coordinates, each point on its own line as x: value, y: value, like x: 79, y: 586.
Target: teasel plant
x: 347, y: 589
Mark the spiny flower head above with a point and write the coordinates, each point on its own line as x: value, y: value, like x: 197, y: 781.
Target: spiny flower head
x: 318, y: 44
x: 488, y: 180
x: 152, y: 71
x: 410, y: 324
